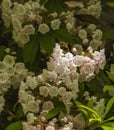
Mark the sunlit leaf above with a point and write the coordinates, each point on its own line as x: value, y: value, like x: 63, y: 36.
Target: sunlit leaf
x: 111, y: 4
x: 108, y: 106
x: 107, y: 87
x: 111, y: 77
x: 108, y: 126
x: 109, y: 119
x: 89, y: 109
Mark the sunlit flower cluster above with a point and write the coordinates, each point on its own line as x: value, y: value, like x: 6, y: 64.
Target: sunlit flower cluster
x: 60, y: 81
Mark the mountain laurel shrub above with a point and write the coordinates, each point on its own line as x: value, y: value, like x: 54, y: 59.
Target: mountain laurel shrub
x: 54, y: 74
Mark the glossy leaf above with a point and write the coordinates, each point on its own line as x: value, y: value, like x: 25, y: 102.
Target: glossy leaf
x: 89, y: 109
x: 63, y: 35
x: 52, y: 113
x: 108, y: 106
x: 109, y: 119
x: 107, y: 87
x: 15, y: 126
x: 108, y: 126
x: 111, y: 77
x: 30, y: 50
x: 55, y: 5
x: 47, y: 42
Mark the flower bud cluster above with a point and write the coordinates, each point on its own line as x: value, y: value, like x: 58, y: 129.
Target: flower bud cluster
x: 11, y: 74
x: 93, y: 8
x: 91, y: 36
x: 43, y: 124
x: 26, y: 19
x: 59, y: 80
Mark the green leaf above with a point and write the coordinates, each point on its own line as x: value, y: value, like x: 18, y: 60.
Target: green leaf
x: 19, y: 112
x: 55, y: 5
x: 15, y: 126
x: 111, y: 77
x: 88, y: 18
x: 110, y: 4
x: 30, y: 50
x: 52, y: 113
x: 47, y: 42
x: 109, y: 34
x: 2, y: 52
x: 84, y: 112
x: 107, y: 87
x: 108, y: 126
x: 94, y: 113
x: 108, y: 106
x: 60, y: 105
x: 109, y: 119
x: 63, y: 35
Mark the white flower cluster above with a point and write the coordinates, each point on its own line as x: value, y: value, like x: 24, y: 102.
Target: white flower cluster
x: 84, y: 66
x: 25, y: 19
x: 94, y: 8
x: 11, y: 74
x: 70, y: 20
x: 43, y: 124
x: 59, y: 80
x: 91, y: 36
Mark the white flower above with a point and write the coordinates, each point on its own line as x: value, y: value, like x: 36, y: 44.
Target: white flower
x: 9, y: 60
x: 43, y: 28
x: 50, y: 128
x: 19, y: 9
x: 30, y: 118
x: 29, y: 29
x: 7, y: 20
x: 97, y: 34
x: 43, y: 90
x: 55, y: 24
x: 87, y: 68
x: 67, y: 96
x: 61, y: 91
x: 20, y: 68
x: 82, y: 34
x: 79, y: 121
x: 53, y: 91
x: 6, y: 4
x: 31, y: 82
x: 15, y: 22
x: 48, y: 105
x: 91, y: 27
x: 66, y: 128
